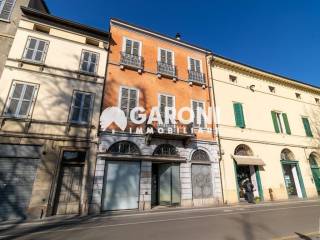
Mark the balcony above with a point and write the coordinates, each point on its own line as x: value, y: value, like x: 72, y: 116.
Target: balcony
x: 196, y: 77
x: 166, y: 69
x: 131, y: 61
x: 170, y: 131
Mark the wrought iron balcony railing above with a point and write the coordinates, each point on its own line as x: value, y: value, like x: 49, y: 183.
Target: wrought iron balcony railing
x: 196, y: 77
x: 131, y: 60
x: 166, y: 69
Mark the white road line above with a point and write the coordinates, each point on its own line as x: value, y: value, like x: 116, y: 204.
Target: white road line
x: 158, y: 221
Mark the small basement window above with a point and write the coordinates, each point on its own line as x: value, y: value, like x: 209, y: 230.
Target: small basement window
x: 233, y: 78
x: 272, y: 89
x: 298, y: 95
x: 41, y: 28
x: 92, y: 42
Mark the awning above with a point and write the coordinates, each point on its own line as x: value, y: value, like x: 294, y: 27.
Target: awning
x: 173, y: 159
x: 248, y: 160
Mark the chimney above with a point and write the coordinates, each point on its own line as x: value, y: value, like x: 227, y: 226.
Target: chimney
x: 178, y: 36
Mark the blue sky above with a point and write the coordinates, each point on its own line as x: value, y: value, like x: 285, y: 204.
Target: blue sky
x: 281, y: 36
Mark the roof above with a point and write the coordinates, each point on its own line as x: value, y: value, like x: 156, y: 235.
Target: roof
x: 160, y: 35
x: 64, y: 23
x: 270, y: 73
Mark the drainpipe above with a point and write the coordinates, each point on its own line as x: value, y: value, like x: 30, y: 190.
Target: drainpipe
x: 213, y: 102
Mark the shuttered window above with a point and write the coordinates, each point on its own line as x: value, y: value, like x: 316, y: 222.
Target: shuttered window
x: 128, y: 99
x: 281, y: 122
x: 307, y: 127
x: 36, y: 50
x: 21, y: 100
x: 165, y: 101
x: 89, y: 62
x: 6, y: 8
x: 166, y: 57
x: 239, y: 116
x: 132, y: 47
x: 196, y: 105
x: 194, y: 65
x: 81, y: 108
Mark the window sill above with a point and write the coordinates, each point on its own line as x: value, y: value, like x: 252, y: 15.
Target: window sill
x: 5, y: 20
x: 27, y: 61
x: 88, y: 74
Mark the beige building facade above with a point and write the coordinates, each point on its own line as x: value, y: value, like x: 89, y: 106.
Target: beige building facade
x: 268, y: 132
x: 50, y: 100
x: 10, y: 15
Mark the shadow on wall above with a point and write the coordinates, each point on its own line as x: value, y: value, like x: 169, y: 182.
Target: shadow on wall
x: 14, y: 182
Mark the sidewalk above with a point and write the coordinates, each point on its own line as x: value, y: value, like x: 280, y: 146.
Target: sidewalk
x: 115, y: 214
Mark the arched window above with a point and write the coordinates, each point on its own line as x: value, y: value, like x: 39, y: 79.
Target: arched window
x: 243, y: 150
x: 287, y: 155
x: 314, y: 160
x: 200, y: 155
x: 124, y: 147
x: 165, y: 150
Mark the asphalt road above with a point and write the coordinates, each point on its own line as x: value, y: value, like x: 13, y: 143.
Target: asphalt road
x: 295, y: 220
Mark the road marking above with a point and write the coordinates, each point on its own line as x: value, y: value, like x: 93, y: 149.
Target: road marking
x: 158, y: 221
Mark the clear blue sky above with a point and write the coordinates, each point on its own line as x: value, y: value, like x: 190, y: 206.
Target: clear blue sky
x: 281, y: 36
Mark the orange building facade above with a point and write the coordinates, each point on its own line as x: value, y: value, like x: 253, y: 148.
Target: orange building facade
x: 152, y: 163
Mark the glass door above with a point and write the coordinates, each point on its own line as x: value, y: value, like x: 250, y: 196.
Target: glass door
x: 169, y: 184
x: 289, y: 180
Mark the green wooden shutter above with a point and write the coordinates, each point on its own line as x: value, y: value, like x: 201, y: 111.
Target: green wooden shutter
x: 307, y: 127
x: 275, y: 122
x: 238, y: 113
x: 286, y: 123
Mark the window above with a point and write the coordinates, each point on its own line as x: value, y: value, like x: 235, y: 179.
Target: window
x: 233, y: 78
x: 89, y: 62
x: 165, y: 101
x: 200, y: 156
x: 128, y: 99
x: 165, y: 56
x: 165, y: 150
x: 20, y: 100
x: 194, y: 65
x: 124, y: 147
x: 298, y: 95
x: 317, y: 100
x: 6, y: 8
x: 280, y: 122
x: 307, y: 127
x: 196, y: 105
x: 132, y: 47
x: 272, y: 89
x: 36, y: 50
x: 239, y: 116
x: 81, y: 107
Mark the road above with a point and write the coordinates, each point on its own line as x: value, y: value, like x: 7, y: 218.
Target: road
x: 278, y: 221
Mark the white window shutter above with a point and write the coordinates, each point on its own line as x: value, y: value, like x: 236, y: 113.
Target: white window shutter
x: 6, y: 8
x: 135, y: 50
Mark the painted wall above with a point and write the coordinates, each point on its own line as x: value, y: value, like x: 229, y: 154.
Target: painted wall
x: 259, y: 133
x: 149, y: 85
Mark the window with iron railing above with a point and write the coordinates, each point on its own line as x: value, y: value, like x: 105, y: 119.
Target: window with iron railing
x: 131, y: 54
x: 131, y: 60
x: 166, y: 63
x: 195, y: 73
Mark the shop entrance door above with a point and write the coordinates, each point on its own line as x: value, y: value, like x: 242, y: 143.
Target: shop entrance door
x: 165, y: 184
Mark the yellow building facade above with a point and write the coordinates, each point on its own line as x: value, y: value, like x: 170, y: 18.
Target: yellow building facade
x: 268, y: 130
